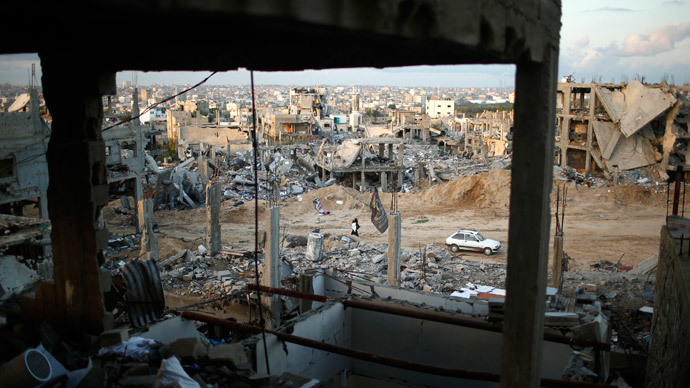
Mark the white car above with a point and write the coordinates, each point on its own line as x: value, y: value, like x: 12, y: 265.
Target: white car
x: 471, y: 239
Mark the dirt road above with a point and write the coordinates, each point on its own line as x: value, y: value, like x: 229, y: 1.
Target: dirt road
x: 600, y: 223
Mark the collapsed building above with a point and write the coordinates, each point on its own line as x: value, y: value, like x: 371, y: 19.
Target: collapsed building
x: 607, y: 128
x: 331, y: 341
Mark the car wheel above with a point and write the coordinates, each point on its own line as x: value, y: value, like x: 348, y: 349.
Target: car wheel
x: 454, y: 248
x: 487, y: 251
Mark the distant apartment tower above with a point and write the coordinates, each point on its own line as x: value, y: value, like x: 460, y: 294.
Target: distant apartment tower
x: 436, y: 107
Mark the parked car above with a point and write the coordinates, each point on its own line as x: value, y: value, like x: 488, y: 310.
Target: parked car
x: 471, y: 239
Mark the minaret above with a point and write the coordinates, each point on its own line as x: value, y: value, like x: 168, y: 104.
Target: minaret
x: 135, y: 107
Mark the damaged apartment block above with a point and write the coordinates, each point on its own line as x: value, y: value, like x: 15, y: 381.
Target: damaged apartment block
x: 608, y: 129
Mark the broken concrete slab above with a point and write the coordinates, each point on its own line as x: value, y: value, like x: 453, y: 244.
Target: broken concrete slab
x: 186, y: 349
x: 233, y: 353
x: 170, y: 330
x: 642, y: 104
x: 314, y: 246
x: 14, y: 277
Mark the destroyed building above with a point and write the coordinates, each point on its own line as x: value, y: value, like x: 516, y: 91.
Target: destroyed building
x: 608, y: 128
x: 357, y: 158
x: 361, y: 336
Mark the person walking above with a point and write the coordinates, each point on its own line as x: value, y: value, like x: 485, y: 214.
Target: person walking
x: 355, y: 228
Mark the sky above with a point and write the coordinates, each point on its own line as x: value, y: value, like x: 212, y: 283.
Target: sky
x: 606, y: 41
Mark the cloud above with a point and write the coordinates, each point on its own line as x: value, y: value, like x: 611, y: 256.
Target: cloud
x: 653, y: 42
x: 673, y: 2
x: 611, y: 9
x: 581, y: 43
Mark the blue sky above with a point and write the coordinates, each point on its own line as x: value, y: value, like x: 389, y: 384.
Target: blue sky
x: 601, y: 40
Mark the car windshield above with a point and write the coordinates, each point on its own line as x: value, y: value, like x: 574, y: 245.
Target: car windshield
x: 480, y: 237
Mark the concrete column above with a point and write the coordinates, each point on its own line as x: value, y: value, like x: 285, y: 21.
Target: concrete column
x: 528, y: 234
x: 394, y: 222
x: 382, y: 150
x: 43, y: 213
x: 400, y: 160
x: 149, y: 241
x: 76, y: 195
x: 556, y: 265
x: 271, y: 274
x: 390, y: 151
x: 363, y: 183
x: 305, y: 285
x: 203, y: 169
x: 354, y: 180
x: 213, y: 197
x: 138, y: 196
x: 384, y: 181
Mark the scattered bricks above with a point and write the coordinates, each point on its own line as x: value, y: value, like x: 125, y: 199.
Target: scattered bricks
x: 222, y: 274
x: 234, y: 353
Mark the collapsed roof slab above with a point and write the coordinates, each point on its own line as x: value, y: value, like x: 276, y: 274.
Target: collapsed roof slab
x: 635, y: 106
x: 626, y: 153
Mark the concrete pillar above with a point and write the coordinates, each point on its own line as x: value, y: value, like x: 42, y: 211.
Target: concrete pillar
x: 213, y: 197
x: 305, y: 285
x: 138, y: 196
x: 77, y: 193
x: 384, y: 181
x: 556, y: 265
x: 354, y: 180
x: 43, y: 213
x: 203, y: 169
x: 401, y: 158
x: 271, y: 275
x: 149, y: 241
x: 390, y: 151
x: 382, y: 150
x: 363, y: 181
x: 394, y: 223
x: 528, y: 233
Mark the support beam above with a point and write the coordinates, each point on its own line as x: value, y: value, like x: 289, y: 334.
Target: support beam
x: 557, y: 264
x: 384, y: 182
x: 138, y: 196
x: 203, y: 169
x: 213, y: 197
x: 394, y: 222
x: 77, y: 192
x: 271, y: 272
x: 149, y: 241
x: 363, y: 180
x: 528, y: 234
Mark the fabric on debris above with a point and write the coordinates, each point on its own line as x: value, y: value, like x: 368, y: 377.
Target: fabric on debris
x: 378, y: 213
x: 137, y: 348
x: 319, y: 208
x: 172, y: 375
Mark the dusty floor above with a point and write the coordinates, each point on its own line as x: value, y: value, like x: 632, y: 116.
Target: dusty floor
x: 600, y: 223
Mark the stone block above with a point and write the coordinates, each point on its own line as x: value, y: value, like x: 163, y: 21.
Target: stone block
x: 233, y: 353
x: 186, y: 348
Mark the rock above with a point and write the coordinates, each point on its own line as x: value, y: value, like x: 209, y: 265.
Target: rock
x: 296, y: 241
x: 379, y: 258
x: 202, y: 249
x: 187, y: 277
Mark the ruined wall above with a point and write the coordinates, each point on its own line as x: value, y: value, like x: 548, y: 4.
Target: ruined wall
x: 669, y: 351
x: 216, y: 136
x: 330, y: 324
x: 17, y: 125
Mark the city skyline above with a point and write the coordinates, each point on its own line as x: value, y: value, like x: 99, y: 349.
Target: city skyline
x: 624, y: 40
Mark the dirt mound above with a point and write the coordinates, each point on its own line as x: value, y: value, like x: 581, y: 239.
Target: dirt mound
x: 489, y: 189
